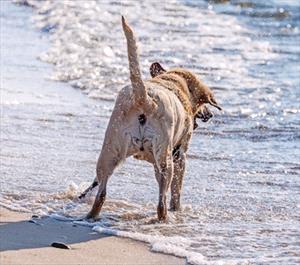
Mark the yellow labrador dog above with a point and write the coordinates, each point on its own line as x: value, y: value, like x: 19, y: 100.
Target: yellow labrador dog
x: 152, y: 120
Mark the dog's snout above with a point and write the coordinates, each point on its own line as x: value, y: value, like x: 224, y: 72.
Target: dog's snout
x: 142, y: 119
x: 204, y: 114
x: 209, y: 115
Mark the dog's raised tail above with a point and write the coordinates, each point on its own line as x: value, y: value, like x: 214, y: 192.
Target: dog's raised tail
x: 138, y: 86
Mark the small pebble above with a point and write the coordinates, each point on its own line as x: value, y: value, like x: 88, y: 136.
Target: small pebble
x: 60, y: 245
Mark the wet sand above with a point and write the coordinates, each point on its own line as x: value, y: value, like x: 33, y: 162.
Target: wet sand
x: 23, y: 242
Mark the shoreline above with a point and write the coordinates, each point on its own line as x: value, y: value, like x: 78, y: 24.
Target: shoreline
x: 24, y: 242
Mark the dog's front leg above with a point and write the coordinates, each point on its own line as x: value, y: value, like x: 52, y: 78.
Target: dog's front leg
x: 164, y: 176
x: 179, y: 169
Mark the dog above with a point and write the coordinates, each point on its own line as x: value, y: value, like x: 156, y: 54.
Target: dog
x: 152, y: 120
x: 204, y: 115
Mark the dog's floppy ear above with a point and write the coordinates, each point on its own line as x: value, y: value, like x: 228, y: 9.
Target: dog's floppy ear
x: 214, y: 103
x: 156, y: 69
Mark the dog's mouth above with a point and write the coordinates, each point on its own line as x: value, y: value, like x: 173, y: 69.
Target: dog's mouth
x: 204, y: 114
x: 204, y: 118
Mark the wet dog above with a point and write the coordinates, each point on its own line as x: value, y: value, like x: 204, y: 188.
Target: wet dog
x: 152, y: 120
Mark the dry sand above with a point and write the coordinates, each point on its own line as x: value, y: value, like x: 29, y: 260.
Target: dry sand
x: 23, y: 242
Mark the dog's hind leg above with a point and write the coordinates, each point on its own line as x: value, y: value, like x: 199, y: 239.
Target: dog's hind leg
x: 108, y: 160
x: 105, y: 167
x: 163, y: 175
x: 179, y: 169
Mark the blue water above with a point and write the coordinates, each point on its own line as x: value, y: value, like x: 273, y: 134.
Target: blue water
x: 241, y: 196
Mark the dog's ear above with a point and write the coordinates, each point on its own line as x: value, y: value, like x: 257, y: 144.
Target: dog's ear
x: 156, y: 69
x: 214, y: 103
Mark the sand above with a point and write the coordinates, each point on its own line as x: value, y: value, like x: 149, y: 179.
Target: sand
x: 23, y: 242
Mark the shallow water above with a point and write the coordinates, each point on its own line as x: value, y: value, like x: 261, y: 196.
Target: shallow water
x: 241, y: 192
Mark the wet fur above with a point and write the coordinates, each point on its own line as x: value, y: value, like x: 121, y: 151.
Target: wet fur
x: 204, y: 112
x: 150, y: 120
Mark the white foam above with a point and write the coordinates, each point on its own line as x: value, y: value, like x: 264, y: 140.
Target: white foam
x: 12, y: 102
x: 64, y: 218
x: 169, y: 245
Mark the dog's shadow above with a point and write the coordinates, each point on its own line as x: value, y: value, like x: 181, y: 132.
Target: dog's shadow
x: 42, y: 233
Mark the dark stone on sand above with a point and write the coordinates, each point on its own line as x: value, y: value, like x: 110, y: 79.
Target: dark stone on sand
x: 60, y: 245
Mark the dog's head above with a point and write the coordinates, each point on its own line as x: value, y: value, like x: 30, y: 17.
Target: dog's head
x: 200, y: 93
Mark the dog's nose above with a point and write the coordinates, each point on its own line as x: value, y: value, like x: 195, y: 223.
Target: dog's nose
x: 204, y: 116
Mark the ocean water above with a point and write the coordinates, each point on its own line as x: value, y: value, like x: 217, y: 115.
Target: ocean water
x: 241, y: 194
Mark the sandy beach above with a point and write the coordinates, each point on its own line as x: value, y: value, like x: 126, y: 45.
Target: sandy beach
x: 24, y: 242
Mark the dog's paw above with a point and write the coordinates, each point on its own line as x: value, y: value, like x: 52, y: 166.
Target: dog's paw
x: 155, y: 220
x: 91, y: 218
x: 162, y: 220
x: 162, y: 217
x: 174, y: 206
